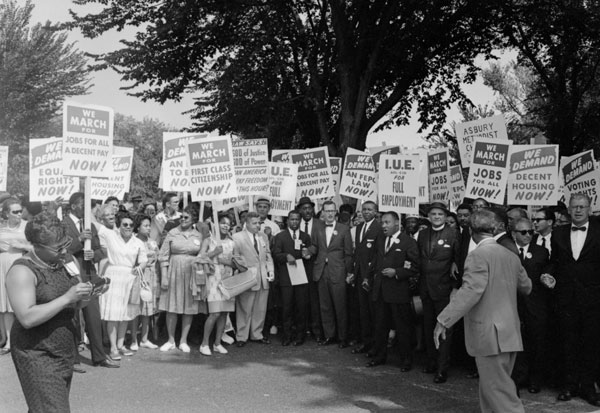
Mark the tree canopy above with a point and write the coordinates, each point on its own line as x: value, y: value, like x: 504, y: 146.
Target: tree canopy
x: 299, y: 72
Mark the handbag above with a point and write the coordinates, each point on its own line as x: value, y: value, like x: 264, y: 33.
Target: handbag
x: 239, y: 283
x: 145, y: 291
x: 134, y: 295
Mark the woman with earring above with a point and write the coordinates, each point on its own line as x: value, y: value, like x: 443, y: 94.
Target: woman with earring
x: 176, y: 256
x: 127, y: 258
x: 12, y: 246
x: 45, y: 291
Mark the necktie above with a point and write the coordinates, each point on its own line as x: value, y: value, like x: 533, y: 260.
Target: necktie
x: 328, y: 225
x: 255, y: 244
x: 364, y: 231
x: 80, y: 226
x: 543, y: 244
x: 578, y: 228
x: 306, y: 227
x: 388, y: 243
x: 521, y: 252
x: 295, y: 235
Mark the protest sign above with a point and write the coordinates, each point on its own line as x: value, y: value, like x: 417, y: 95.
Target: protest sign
x: 399, y: 183
x: 489, y: 173
x: 438, y: 164
x: 3, y: 167
x: 228, y: 203
x: 46, y: 181
x: 283, y: 155
x: 376, y: 153
x: 336, y: 177
x: 118, y: 183
x: 533, y: 175
x: 423, y: 174
x: 87, y: 140
x: 314, y: 173
x: 493, y: 127
x: 211, y: 170
x: 174, y: 172
x: 358, y: 177
x: 250, y: 157
x: 282, y: 187
x: 457, y: 187
x: 581, y: 176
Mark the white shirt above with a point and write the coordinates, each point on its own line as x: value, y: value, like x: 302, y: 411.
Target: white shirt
x: 365, y: 229
x: 75, y: 221
x: 578, y: 239
x: 525, y: 249
x: 547, y: 238
x: 329, y: 232
x: 296, y: 232
x: 391, y: 239
x: 310, y: 225
x: 268, y: 223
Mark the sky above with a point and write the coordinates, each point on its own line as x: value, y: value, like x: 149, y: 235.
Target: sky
x: 105, y: 90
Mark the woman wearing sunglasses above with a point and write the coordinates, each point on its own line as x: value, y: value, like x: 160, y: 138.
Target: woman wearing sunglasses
x: 125, y: 252
x: 12, y: 246
x: 177, y: 254
x: 44, y: 292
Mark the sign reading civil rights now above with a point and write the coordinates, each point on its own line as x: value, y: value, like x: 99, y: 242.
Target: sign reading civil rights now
x: 438, y: 163
x: 250, y: 157
x: 359, y: 180
x: 492, y: 127
x: 282, y: 187
x: 119, y: 182
x: 489, y: 173
x: 87, y: 140
x: 211, y: 170
x: 533, y: 175
x: 3, y: 167
x: 46, y: 181
x: 399, y: 183
x: 314, y: 173
x: 174, y: 172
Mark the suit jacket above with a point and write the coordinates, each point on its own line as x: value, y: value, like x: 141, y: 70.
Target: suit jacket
x: 488, y: 300
x: 263, y: 262
x: 465, y: 239
x: 283, y: 244
x: 316, y: 228
x: 395, y: 289
x: 576, y: 280
x: 76, y: 249
x: 536, y: 263
x: 337, y: 255
x: 436, y: 260
x: 366, y: 249
x: 507, y: 242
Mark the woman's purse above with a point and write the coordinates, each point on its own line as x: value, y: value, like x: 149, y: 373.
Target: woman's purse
x: 145, y: 290
x: 239, y: 283
x: 134, y: 295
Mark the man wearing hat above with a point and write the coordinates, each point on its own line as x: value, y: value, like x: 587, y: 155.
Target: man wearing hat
x: 136, y: 202
x: 268, y: 227
x: 311, y: 226
x: 439, y: 249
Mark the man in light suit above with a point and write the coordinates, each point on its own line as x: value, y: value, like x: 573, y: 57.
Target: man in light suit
x: 488, y: 301
x: 333, y: 266
x: 251, y: 305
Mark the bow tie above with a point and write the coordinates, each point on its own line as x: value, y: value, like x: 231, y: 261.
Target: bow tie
x: 578, y: 228
x: 329, y: 225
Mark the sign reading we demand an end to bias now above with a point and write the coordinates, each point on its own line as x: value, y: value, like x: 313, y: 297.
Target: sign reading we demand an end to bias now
x: 211, y: 171
x: 489, y: 172
x: 87, y: 140
x: 46, y: 181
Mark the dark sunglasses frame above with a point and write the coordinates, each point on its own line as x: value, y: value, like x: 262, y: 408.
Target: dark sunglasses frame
x: 526, y: 231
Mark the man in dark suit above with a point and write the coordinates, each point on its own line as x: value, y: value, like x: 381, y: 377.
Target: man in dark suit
x: 333, y: 266
x: 367, y: 238
x: 543, y: 221
x: 73, y: 223
x: 534, y: 308
x: 501, y: 235
x: 311, y: 226
x: 396, y: 260
x: 439, y: 250
x: 574, y: 269
x: 289, y: 247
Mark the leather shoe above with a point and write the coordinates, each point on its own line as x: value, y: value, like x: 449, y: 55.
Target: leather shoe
x: 327, y: 341
x: 286, y: 342
x: 241, y: 343
x: 565, y: 395
x: 78, y: 369
x: 374, y: 363
x: 440, y: 378
x: 533, y: 388
x: 343, y: 344
x: 319, y: 340
x: 360, y: 350
x: 298, y: 342
x: 108, y: 363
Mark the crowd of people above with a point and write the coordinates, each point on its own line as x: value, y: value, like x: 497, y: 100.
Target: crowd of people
x: 375, y: 282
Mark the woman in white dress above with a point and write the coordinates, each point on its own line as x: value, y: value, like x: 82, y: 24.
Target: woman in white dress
x: 218, y: 306
x: 12, y: 246
x: 125, y: 252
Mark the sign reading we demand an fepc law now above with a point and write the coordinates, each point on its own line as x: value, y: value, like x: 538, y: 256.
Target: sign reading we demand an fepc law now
x: 87, y: 140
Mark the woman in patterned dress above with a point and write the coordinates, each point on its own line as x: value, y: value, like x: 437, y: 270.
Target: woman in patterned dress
x: 177, y: 253
x: 149, y: 308
x: 125, y: 253
x: 44, y: 296
x: 12, y: 246
x: 218, y: 307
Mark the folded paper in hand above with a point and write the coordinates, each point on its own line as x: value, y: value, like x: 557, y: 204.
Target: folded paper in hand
x: 297, y: 273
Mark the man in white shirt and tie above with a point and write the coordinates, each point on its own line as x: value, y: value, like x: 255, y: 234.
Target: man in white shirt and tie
x: 543, y: 221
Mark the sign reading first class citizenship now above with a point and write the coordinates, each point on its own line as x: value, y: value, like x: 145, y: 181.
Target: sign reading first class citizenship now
x: 87, y: 140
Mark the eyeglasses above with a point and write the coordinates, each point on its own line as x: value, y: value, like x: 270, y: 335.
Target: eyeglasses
x: 16, y: 212
x: 526, y: 232
x: 63, y: 246
x: 185, y: 218
x: 538, y: 219
x: 127, y: 225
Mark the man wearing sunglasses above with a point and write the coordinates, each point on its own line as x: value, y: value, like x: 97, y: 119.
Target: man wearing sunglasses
x: 534, y: 311
x: 543, y: 221
x: 74, y: 228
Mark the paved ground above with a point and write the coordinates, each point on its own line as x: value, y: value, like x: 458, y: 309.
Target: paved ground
x: 266, y: 378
